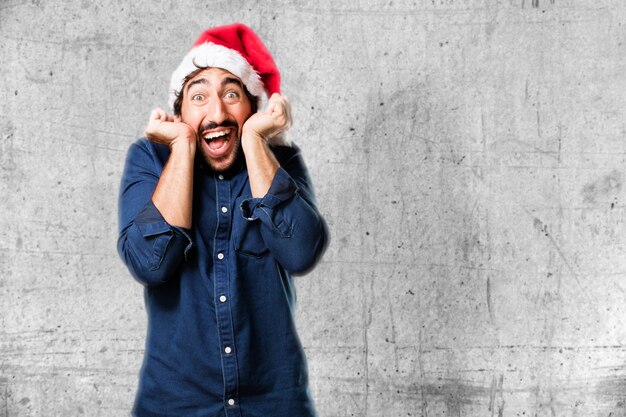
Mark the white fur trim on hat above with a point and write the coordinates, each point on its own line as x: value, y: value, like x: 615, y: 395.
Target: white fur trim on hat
x: 218, y: 56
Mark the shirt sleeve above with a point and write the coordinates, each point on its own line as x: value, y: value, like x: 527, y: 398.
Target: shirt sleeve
x: 290, y: 223
x: 152, y: 249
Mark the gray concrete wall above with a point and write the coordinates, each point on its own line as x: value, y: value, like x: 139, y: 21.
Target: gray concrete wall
x: 468, y: 155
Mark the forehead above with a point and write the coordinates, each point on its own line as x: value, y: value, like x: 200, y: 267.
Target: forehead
x: 212, y: 76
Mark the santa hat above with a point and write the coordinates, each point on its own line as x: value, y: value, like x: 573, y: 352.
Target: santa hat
x: 236, y: 49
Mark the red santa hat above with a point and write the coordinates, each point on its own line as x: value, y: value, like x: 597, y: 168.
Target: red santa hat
x: 236, y: 49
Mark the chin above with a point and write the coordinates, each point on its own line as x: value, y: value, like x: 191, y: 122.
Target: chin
x: 226, y: 162
x: 222, y: 164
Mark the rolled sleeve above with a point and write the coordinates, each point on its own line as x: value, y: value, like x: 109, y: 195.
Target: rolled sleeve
x: 291, y: 227
x: 151, y: 223
x: 152, y: 249
x: 282, y: 189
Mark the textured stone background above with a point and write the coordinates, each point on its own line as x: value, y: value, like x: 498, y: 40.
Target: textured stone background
x: 468, y: 155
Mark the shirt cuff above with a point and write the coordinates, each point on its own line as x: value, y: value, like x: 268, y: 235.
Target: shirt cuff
x: 150, y: 222
x: 283, y: 188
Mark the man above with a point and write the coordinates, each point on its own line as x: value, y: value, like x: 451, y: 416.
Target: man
x: 216, y: 214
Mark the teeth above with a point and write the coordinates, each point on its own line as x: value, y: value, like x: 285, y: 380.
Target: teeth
x: 216, y: 134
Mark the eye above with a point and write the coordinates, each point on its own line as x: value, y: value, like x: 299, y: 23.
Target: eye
x: 232, y: 97
x: 197, y: 97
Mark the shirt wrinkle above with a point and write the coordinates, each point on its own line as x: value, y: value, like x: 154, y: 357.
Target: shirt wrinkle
x: 222, y: 318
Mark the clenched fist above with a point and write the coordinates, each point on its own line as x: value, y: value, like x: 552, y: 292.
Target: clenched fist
x: 271, y: 123
x: 166, y: 129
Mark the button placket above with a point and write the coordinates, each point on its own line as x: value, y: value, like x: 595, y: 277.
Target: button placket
x: 222, y: 292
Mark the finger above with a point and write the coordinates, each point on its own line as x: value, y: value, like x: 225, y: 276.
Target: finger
x: 278, y: 102
x: 161, y: 115
x: 165, y: 116
x: 287, y: 105
x: 274, y: 98
x: 155, y: 114
x: 283, y: 111
x: 274, y: 107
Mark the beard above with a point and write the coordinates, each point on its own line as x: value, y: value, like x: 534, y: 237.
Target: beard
x: 228, y: 162
x: 233, y: 162
x: 225, y: 163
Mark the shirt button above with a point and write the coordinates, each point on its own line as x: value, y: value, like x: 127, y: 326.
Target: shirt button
x: 220, y: 256
x: 231, y: 402
x: 224, y: 209
x: 220, y: 176
x: 227, y: 349
x: 223, y: 298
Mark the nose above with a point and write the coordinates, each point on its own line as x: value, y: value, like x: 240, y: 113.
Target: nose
x: 217, y: 111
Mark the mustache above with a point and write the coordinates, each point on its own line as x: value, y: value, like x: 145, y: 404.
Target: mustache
x: 211, y: 125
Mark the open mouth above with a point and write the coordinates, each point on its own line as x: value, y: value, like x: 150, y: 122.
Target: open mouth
x: 217, y: 141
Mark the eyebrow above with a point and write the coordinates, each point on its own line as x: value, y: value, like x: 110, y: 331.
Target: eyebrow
x: 225, y: 81
x: 231, y: 80
x: 198, y: 81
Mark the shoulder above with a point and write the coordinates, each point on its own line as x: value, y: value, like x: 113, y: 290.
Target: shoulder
x: 145, y: 158
x: 145, y: 149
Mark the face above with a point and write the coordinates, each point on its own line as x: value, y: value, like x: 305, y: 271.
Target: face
x: 215, y: 105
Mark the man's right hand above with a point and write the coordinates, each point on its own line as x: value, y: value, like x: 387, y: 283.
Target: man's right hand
x: 174, y: 191
x: 168, y: 130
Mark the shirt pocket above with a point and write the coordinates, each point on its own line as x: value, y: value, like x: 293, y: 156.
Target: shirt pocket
x: 247, y: 237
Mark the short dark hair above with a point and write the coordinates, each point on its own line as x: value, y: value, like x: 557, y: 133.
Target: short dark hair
x: 178, y: 103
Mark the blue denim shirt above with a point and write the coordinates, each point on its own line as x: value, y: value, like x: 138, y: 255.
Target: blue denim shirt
x: 220, y: 297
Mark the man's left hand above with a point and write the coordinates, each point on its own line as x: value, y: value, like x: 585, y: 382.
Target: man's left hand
x: 271, y: 123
